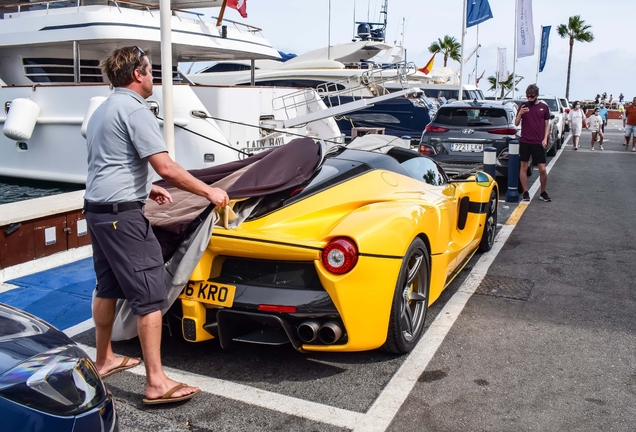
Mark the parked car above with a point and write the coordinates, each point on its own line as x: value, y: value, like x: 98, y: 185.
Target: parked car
x: 565, y: 104
x: 461, y: 130
x: 47, y: 383
x: 349, y: 260
x: 554, y: 143
x: 556, y: 109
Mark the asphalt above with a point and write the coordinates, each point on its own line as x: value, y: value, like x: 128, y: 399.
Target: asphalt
x: 547, y: 342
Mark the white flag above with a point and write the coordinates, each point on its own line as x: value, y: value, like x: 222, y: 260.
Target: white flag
x: 525, y: 29
x: 502, y: 75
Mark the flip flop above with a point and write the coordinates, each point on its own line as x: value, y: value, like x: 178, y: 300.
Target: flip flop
x: 122, y: 367
x: 166, y: 398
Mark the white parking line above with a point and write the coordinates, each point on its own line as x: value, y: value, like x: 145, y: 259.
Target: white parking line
x: 261, y: 398
x: 386, y: 406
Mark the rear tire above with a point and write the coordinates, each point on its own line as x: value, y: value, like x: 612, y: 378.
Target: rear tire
x: 410, y: 300
x: 490, y: 226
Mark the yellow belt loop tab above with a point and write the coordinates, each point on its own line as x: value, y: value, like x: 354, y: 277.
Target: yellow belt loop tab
x: 115, y: 224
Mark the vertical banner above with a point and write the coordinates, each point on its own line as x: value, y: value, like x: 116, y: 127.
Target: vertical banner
x: 545, y: 41
x: 477, y: 11
x: 525, y: 29
x: 502, y: 68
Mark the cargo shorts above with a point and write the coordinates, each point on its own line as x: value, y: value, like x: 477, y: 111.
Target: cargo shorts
x: 128, y: 260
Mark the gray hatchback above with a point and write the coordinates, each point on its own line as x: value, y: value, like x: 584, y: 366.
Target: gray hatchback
x: 460, y: 131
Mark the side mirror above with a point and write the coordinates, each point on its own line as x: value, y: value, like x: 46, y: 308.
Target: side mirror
x: 482, y: 179
x: 551, y: 116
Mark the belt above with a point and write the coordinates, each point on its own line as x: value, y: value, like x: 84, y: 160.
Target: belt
x: 112, y: 207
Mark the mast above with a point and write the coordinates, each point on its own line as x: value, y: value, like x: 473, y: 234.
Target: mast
x: 461, y: 63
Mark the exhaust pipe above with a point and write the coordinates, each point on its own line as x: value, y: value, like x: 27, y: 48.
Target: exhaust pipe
x: 308, y: 331
x: 330, y: 332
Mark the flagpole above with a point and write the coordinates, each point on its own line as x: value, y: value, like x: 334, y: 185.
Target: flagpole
x: 477, y: 56
x: 514, y: 59
x: 497, y: 76
x: 461, y: 63
x: 536, y: 81
x: 329, y: 35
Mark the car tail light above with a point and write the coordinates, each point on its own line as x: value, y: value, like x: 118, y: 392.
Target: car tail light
x: 430, y: 128
x: 567, y: 110
x: 340, y: 255
x: 275, y: 308
x: 426, y: 149
x: 503, y: 131
x: 61, y: 381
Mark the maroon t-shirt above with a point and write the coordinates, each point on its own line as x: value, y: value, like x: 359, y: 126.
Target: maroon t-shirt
x: 533, y: 123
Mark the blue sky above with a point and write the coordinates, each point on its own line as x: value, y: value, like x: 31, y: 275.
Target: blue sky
x: 607, y: 64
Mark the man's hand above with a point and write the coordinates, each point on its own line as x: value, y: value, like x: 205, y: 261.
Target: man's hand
x: 160, y: 195
x: 218, y: 197
x: 544, y: 143
x: 524, y: 109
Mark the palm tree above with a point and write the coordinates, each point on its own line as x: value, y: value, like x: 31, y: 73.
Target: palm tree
x: 506, y: 86
x: 447, y: 46
x: 575, y: 30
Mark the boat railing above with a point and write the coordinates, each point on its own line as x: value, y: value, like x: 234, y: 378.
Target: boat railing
x: 350, y: 89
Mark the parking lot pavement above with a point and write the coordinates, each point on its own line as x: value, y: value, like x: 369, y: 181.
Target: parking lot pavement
x: 548, y: 340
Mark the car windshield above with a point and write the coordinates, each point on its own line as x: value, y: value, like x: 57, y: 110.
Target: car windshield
x: 552, y: 103
x: 469, y: 116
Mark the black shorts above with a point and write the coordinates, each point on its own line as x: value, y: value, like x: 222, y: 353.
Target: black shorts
x: 128, y: 260
x: 537, y: 151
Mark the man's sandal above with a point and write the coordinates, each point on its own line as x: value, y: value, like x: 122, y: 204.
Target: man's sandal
x: 167, y: 397
x: 122, y: 367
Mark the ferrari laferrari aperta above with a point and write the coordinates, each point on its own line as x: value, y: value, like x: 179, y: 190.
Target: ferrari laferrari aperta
x: 350, y: 260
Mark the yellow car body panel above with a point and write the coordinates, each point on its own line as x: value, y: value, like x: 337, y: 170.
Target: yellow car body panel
x: 382, y: 212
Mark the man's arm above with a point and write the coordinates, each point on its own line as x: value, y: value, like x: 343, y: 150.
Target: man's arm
x: 547, y: 132
x: 178, y: 177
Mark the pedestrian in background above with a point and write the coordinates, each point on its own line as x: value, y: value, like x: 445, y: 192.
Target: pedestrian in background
x: 534, y: 117
x: 603, y: 113
x: 621, y: 98
x: 609, y: 103
x: 124, y: 140
x: 630, y: 127
x: 575, y: 120
x: 594, y: 124
x: 621, y: 111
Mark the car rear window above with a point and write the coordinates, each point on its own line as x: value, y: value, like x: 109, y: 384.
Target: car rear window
x: 468, y: 116
x: 552, y: 103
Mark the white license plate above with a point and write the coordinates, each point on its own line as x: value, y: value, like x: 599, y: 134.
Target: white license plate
x: 464, y: 147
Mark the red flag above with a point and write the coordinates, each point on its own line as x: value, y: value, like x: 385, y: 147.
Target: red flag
x: 429, y: 66
x: 239, y: 5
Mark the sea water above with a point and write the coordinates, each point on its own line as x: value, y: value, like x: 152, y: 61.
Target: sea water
x: 12, y: 190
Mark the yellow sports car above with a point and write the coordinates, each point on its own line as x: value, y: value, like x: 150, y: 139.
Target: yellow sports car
x: 349, y: 260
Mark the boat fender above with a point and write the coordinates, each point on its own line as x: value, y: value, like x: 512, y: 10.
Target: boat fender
x: 92, y: 106
x: 21, y: 119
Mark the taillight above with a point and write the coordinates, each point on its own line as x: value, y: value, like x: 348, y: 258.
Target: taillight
x: 276, y: 308
x: 340, y: 255
x: 430, y: 128
x: 426, y: 149
x: 567, y: 110
x: 503, y: 131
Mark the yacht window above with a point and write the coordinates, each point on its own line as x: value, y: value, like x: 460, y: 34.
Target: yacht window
x: 59, y: 70
x: 374, y: 118
x: 156, y: 74
x: 227, y: 67
x: 302, y: 83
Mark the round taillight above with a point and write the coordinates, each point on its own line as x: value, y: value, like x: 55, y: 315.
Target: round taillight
x: 340, y: 255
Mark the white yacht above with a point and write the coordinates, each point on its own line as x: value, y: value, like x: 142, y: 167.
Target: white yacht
x: 50, y: 83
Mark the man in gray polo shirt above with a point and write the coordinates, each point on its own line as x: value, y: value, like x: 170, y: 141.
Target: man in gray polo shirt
x: 123, y: 138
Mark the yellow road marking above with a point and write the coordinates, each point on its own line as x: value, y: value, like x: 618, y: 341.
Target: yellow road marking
x: 516, y: 215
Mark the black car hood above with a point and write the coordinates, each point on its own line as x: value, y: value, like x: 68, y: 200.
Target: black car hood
x: 22, y: 336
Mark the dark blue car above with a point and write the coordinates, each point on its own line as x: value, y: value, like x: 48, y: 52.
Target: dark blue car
x: 47, y: 383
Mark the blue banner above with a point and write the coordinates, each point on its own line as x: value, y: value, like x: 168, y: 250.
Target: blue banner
x: 477, y: 11
x: 545, y: 41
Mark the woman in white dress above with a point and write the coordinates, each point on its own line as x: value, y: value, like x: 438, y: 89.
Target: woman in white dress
x: 575, y: 120
x: 594, y: 124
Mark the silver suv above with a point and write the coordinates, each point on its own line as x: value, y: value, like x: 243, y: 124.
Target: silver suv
x: 556, y: 109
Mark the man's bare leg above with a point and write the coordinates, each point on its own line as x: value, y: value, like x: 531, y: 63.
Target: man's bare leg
x: 157, y: 383
x: 523, y: 175
x: 104, y: 316
x: 543, y: 177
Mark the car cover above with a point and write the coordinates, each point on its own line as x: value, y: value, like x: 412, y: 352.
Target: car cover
x: 184, y: 227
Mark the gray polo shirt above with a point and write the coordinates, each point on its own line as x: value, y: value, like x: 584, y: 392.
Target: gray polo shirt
x: 121, y: 134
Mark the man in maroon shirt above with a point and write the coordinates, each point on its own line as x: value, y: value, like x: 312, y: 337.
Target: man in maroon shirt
x: 534, y: 117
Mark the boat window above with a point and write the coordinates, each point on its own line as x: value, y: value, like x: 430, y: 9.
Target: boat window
x: 302, y: 83
x: 227, y: 67
x: 156, y: 74
x: 374, y: 118
x: 60, y: 70
x: 471, y: 116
